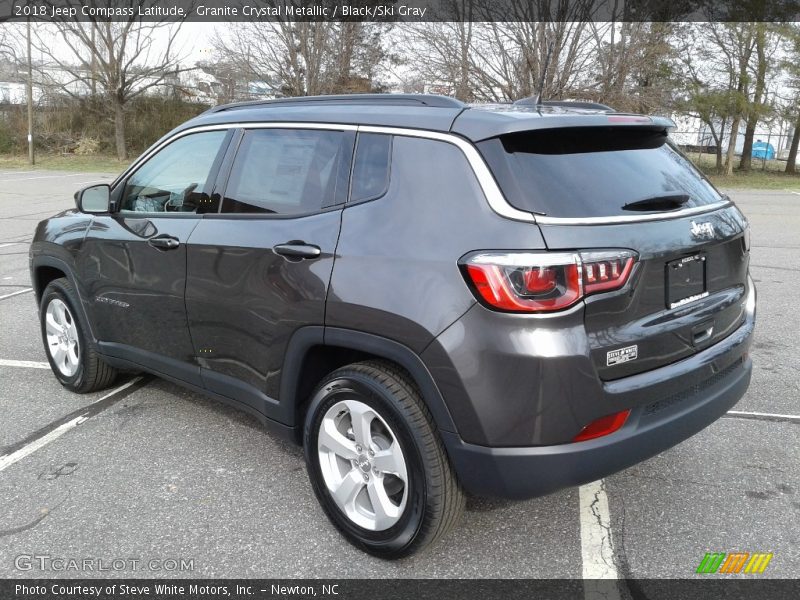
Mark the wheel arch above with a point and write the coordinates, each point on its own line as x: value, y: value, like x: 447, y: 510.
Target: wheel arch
x: 44, y: 270
x: 315, y: 351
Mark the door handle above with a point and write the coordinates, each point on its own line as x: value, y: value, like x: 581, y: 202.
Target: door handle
x: 164, y: 242
x: 296, y: 250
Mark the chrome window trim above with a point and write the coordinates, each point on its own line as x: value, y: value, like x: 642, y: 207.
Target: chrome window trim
x: 622, y: 219
x: 201, y: 128
x: 494, y: 196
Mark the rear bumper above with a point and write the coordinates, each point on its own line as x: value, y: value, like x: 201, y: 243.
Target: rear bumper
x: 526, y: 472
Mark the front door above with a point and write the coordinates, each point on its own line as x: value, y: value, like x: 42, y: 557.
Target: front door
x: 134, y: 259
x: 259, y: 269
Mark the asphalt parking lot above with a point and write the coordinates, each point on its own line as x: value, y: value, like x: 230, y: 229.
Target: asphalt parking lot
x: 164, y: 473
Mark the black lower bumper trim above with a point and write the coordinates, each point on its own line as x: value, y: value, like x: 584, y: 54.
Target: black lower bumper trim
x: 527, y: 472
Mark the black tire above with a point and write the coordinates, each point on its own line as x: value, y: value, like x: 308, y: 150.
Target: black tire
x: 92, y: 373
x: 434, y: 502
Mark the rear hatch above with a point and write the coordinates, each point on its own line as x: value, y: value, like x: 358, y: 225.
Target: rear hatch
x: 628, y: 187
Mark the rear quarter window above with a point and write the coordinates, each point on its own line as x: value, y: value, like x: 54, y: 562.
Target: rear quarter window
x: 594, y: 171
x: 371, y: 167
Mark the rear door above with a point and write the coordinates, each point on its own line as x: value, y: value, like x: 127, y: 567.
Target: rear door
x: 259, y: 269
x: 599, y: 188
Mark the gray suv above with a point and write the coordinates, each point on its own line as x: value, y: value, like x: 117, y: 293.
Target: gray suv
x: 434, y: 299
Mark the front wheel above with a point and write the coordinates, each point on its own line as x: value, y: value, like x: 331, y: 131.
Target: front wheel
x: 375, y: 461
x: 69, y: 350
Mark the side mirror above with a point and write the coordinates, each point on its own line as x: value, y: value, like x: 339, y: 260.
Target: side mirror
x: 94, y: 199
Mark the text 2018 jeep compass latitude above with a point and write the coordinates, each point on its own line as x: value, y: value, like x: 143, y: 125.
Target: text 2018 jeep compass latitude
x: 433, y: 298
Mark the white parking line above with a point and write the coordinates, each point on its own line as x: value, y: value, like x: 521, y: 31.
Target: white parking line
x: 26, y: 364
x: 42, y: 177
x: 762, y: 415
x: 9, y: 459
x: 597, y: 549
x: 17, y: 293
x: 6, y: 245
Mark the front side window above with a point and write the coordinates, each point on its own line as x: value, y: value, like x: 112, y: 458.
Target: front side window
x: 284, y: 171
x: 174, y: 180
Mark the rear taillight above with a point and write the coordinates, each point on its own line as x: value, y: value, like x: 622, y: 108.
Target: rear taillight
x: 545, y: 281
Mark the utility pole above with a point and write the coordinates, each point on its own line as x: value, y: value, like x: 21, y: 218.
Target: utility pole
x: 94, y: 63
x: 31, y: 158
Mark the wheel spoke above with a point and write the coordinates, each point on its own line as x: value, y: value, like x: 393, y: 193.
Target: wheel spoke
x: 59, y: 354
x: 51, y: 325
x: 331, y: 439
x: 350, y: 486
x: 72, y: 330
x: 391, y: 461
x: 72, y: 356
x: 361, y: 418
x: 61, y: 313
x: 386, y: 512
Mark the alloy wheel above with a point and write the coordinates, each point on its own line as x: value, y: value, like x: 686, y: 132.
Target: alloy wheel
x: 62, y: 338
x: 363, y: 465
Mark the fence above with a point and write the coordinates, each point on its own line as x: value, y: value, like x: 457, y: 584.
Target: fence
x: 768, y: 146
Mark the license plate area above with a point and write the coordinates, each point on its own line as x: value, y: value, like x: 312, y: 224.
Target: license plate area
x: 686, y: 280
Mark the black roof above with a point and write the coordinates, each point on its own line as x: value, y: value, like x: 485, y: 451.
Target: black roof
x: 424, y: 111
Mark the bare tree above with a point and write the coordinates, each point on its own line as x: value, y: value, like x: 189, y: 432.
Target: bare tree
x: 633, y: 64
x: 491, y: 61
x: 441, y: 51
x: 766, y: 44
x: 306, y: 58
x: 719, y: 60
x: 113, y: 61
x: 441, y: 55
x: 9, y: 42
x: 792, y: 67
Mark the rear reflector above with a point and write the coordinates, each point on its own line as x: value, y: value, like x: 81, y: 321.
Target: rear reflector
x: 602, y: 426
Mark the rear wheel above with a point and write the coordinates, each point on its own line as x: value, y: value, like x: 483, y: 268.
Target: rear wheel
x: 376, y: 463
x: 69, y: 350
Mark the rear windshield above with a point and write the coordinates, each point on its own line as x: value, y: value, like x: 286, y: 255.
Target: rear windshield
x: 595, y: 172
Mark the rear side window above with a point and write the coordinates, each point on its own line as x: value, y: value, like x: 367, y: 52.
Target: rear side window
x: 371, y: 166
x: 284, y: 171
x: 595, y: 172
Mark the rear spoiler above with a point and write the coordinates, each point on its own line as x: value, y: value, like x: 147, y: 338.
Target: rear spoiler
x: 477, y: 125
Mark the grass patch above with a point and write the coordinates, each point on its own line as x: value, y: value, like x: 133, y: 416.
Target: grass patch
x: 90, y: 163
x: 769, y: 176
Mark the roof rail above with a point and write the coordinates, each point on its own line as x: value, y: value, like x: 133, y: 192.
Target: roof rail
x: 564, y: 104
x: 431, y: 100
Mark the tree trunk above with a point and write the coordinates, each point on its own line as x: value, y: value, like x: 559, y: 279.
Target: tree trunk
x: 791, y: 161
x: 732, y: 145
x: 746, y: 161
x: 119, y: 130
x: 755, y: 108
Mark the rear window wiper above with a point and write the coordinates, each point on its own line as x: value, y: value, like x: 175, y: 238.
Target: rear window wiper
x: 666, y: 202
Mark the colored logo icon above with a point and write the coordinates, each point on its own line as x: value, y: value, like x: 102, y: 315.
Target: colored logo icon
x: 734, y: 562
